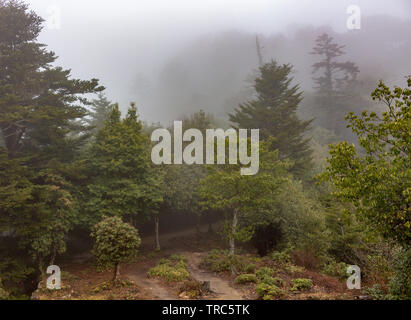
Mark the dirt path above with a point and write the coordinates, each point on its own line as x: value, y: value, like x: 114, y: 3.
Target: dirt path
x: 221, y: 287
x: 152, y: 287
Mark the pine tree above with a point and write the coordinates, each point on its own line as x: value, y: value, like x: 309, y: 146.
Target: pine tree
x: 123, y: 182
x: 100, y: 110
x: 336, y: 86
x: 274, y: 113
x: 40, y: 106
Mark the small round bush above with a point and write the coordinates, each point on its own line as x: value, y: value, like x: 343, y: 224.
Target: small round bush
x: 268, y: 292
x: 114, y: 242
x: 264, y: 271
x: 301, y: 284
x: 246, y: 278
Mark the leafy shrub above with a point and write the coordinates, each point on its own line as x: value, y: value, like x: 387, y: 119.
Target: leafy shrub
x: 173, y: 269
x: 246, y: 278
x: 375, y: 292
x: 272, y: 280
x: 268, y: 292
x: 282, y: 257
x: 115, y: 242
x: 250, y: 268
x: 336, y: 269
x: 301, y: 284
x: 400, y: 285
x: 292, y: 269
x: 264, y: 272
x: 379, y: 268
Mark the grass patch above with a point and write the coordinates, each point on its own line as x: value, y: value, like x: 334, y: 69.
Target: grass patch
x: 173, y: 269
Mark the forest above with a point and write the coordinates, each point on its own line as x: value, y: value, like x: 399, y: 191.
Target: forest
x: 331, y: 188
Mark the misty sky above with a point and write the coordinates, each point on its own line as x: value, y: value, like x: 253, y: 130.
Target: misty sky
x: 115, y: 40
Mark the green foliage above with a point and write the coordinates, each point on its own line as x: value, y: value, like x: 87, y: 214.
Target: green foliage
x: 250, y: 268
x: 301, y: 284
x: 336, y: 269
x: 400, y: 285
x: 264, y: 272
x: 268, y: 292
x: 280, y: 257
x: 378, y: 184
x: 377, y: 293
x: 251, y: 199
x: 100, y: 110
x: 41, y: 134
x: 246, y: 278
x: 122, y: 180
x: 302, y: 217
x: 221, y: 261
x: 274, y: 113
x: 173, y: 269
x: 272, y: 280
x: 115, y: 242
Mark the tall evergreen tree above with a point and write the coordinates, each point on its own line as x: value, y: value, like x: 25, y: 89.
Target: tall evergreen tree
x: 100, y: 110
x: 336, y: 86
x: 40, y: 106
x: 273, y: 111
x: 123, y: 182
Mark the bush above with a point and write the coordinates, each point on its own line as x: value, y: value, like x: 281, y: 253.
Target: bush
x: 336, y: 269
x: 376, y: 292
x: 268, y: 292
x: 292, y: 269
x: 400, y: 285
x: 115, y: 242
x: 282, y: 257
x: 173, y: 269
x: 246, y: 278
x: 250, y: 268
x: 301, y: 284
x: 264, y: 272
x: 272, y: 280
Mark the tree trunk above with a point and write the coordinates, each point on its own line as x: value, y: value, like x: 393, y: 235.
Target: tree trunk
x: 233, y: 230
x: 116, y: 272
x: 156, y: 225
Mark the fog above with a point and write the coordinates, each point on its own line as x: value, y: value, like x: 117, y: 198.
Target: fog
x: 176, y: 57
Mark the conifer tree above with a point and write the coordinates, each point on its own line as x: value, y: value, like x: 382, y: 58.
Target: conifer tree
x: 123, y: 182
x: 273, y: 111
x: 336, y: 86
x: 40, y: 109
